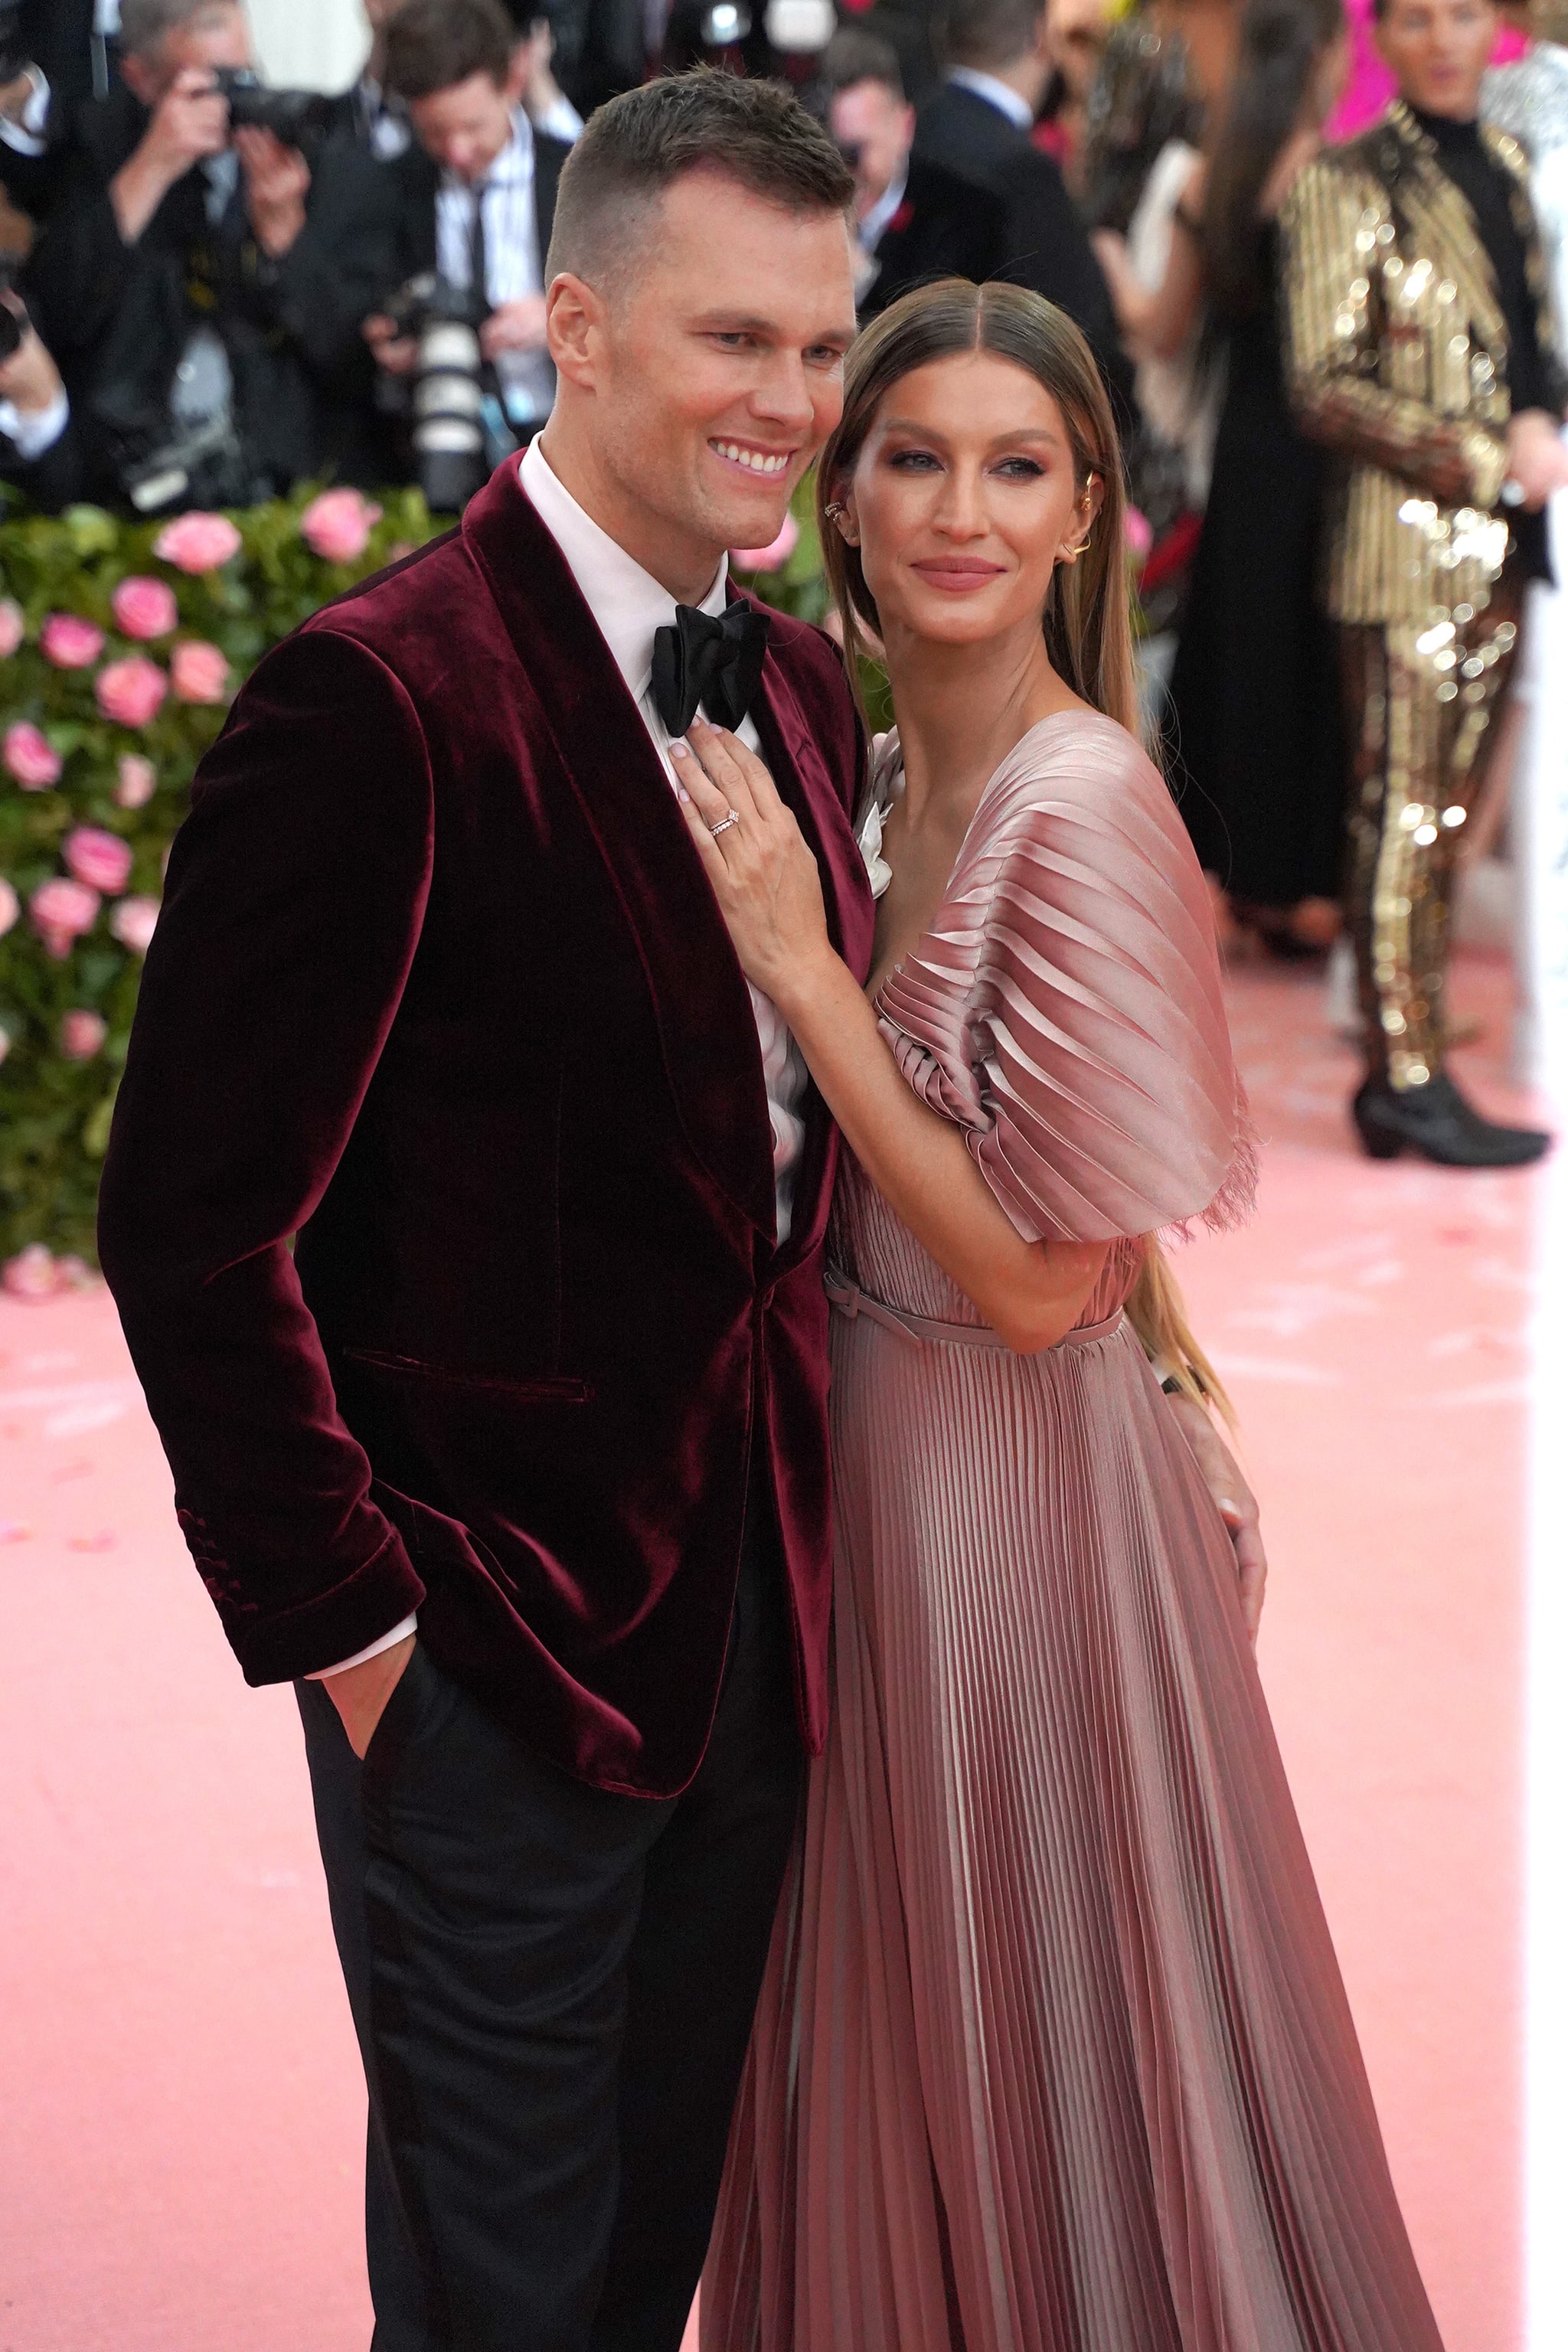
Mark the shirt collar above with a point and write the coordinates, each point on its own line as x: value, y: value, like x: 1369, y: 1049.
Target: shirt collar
x: 627, y: 602
x: 874, y: 226
x: 999, y: 94
x: 513, y: 167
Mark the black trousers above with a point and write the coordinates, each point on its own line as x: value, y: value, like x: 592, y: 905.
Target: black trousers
x: 552, y: 1988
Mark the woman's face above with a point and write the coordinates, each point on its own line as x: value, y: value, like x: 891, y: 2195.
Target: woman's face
x: 964, y: 500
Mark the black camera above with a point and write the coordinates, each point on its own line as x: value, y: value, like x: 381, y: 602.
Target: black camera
x: 14, y: 59
x: 299, y: 118
x: 448, y: 388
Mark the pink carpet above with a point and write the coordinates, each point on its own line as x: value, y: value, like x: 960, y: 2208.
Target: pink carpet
x: 181, y: 2113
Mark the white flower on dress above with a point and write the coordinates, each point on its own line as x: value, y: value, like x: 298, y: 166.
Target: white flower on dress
x: 879, y: 872
x: 883, y: 792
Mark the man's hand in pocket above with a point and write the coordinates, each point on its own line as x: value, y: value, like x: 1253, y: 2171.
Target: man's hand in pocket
x: 360, y: 1693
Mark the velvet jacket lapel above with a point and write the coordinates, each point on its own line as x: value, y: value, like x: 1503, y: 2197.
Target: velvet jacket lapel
x: 582, y: 710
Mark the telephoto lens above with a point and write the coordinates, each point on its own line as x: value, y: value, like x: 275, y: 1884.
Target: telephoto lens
x: 448, y: 390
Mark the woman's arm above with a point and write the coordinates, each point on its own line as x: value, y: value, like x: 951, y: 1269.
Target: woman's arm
x: 1157, y: 321
x: 766, y: 882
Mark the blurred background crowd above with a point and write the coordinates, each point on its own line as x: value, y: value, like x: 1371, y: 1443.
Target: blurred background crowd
x: 216, y: 289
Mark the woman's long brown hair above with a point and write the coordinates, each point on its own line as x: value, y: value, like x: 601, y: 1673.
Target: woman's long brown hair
x: 1088, y: 618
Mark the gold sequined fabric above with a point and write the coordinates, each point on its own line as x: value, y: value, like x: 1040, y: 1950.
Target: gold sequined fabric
x: 1397, y: 357
x: 1419, y: 700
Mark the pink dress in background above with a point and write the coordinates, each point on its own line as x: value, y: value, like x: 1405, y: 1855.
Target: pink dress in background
x: 1053, y: 2053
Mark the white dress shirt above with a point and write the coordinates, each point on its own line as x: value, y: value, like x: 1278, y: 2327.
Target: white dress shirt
x: 630, y: 606
x: 999, y: 94
x: 514, y: 264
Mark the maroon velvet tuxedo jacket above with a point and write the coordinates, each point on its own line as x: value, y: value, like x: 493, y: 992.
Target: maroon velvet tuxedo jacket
x: 439, y: 986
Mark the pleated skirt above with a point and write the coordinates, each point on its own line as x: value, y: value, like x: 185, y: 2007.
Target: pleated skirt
x: 1053, y: 2052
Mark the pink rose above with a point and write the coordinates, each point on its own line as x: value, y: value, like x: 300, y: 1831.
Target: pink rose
x: 100, y: 859
x: 145, y: 608
x: 31, y: 760
x: 337, y: 526
x: 131, y: 691
x: 5, y: 1042
x: 13, y: 627
x: 61, y: 912
x: 69, y: 643
x: 1136, y: 532
x: 82, y: 1035
x: 133, y: 922
x: 774, y: 556
x: 10, y: 906
x: 138, y: 782
x: 199, y: 672
x: 30, y: 1273
x: 197, y: 542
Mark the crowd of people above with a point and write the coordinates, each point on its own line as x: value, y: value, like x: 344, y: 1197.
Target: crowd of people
x: 1334, y: 370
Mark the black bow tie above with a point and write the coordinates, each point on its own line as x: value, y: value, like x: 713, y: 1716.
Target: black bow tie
x: 715, y: 663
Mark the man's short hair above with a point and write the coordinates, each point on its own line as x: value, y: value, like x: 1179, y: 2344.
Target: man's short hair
x: 145, y: 24
x: 638, y: 145
x: 433, y: 44
x: 853, y: 55
x: 991, y: 33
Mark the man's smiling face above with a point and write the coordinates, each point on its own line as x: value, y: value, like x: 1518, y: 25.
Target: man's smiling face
x: 721, y: 360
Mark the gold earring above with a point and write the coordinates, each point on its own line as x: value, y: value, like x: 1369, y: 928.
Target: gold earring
x: 1070, y: 553
x: 836, y: 512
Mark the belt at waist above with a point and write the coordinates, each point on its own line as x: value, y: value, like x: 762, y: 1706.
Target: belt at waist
x: 851, y: 1301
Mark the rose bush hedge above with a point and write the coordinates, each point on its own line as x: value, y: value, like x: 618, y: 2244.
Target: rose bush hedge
x: 122, y: 645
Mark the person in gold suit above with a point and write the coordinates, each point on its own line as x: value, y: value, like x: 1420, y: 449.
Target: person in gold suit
x: 1420, y: 347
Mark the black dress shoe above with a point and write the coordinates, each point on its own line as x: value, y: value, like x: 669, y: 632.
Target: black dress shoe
x: 1437, y: 1121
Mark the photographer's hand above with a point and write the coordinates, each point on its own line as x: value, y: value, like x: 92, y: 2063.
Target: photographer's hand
x: 396, y: 353
x: 514, y: 326
x: 29, y: 379
x: 277, y: 182
x: 189, y: 121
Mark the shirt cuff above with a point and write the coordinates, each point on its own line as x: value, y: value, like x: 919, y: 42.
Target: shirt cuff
x: 25, y: 135
x: 35, y: 431
x: 371, y: 1650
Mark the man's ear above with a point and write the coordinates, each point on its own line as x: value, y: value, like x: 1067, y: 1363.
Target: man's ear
x: 140, y: 79
x: 517, y: 76
x: 574, y: 314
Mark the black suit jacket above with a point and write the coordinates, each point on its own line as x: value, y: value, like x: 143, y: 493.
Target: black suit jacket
x: 57, y: 36
x: 118, y: 317
x: 418, y: 183
x: 56, y: 480
x: 1045, y: 247
x: 945, y: 227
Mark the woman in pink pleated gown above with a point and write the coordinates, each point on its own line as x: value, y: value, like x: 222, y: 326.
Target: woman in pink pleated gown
x: 1053, y: 2053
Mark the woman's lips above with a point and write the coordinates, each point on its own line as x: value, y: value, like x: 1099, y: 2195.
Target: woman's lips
x: 958, y: 575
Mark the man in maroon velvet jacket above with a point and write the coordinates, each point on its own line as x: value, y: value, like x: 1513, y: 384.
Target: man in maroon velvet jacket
x: 440, y: 988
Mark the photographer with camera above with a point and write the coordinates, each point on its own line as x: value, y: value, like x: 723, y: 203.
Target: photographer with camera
x: 202, y: 281
x: 464, y: 341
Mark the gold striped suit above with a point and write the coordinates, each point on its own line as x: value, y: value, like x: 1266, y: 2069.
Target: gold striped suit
x: 1396, y: 358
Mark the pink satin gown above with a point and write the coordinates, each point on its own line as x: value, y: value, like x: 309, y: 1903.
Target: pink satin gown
x: 1053, y: 2053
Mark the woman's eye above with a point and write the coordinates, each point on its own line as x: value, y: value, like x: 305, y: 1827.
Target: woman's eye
x: 912, y: 461
x: 1020, y: 469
